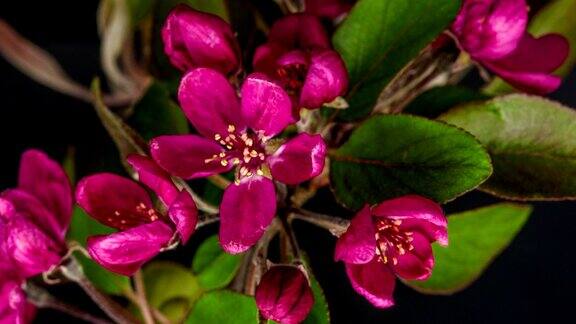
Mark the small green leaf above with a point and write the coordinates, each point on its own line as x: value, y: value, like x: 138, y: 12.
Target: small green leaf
x: 225, y: 307
x: 531, y: 141
x: 171, y: 288
x: 214, y: 267
x: 157, y: 114
x: 476, y: 238
x: 140, y: 9
x: 438, y: 100
x: 394, y: 155
x: 559, y: 16
x: 379, y: 38
x: 81, y: 227
x: 215, y: 7
x: 320, y: 313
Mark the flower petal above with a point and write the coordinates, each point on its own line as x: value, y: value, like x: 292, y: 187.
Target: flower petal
x: 284, y: 295
x: 358, y: 244
x: 31, y: 250
x: 531, y: 82
x: 114, y: 201
x: 186, y: 156
x: 197, y: 39
x: 491, y: 29
x: 326, y: 80
x: 300, y: 159
x: 418, y: 210
x: 126, y: 251
x: 184, y: 215
x: 14, y: 306
x: 374, y: 281
x: 299, y: 31
x: 418, y: 263
x: 154, y: 177
x: 266, y: 106
x: 266, y: 57
x: 245, y: 212
x: 209, y: 102
x: 30, y: 208
x: 328, y: 8
x: 45, y: 179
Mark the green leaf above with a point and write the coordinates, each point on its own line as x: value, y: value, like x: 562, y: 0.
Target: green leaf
x: 394, y: 155
x: 215, y: 268
x: 140, y: 9
x: 81, y: 227
x: 225, y: 307
x: 559, y: 16
x: 320, y: 313
x: 171, y: 288
x: 476, y: 238
x: 215, y: 7
x: 379, y: 38
x: 438, y: 100
x: 157, y: 114
x: 532, y: 142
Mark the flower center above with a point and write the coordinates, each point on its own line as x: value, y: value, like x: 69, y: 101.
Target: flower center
x: 244, y: 150
x: 125, y: 219
x: 292, y: 77
x: 391, y: 241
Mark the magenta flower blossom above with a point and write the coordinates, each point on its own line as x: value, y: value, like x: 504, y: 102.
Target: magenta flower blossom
x: 388, y: 240
x: 284, y: 295
x: 122, y: 204
x: 34, y: 219
x: 197, y: 39
x: 332, y: 9
x: 236, y: 134
x: 494, y: 33
x: 298, y: 56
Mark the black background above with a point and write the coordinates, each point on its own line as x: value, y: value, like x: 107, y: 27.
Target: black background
x: 533, y: 280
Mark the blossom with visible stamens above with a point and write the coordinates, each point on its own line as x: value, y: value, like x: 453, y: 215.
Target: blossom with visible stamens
x: 299, y: 57
x: 34, y: 219
x: 493, y: 33
x: 391, y: 239
x: 236, y: 134
x: 122, y: 204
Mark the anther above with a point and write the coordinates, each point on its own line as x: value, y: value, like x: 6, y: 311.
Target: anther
x: 231, y: 128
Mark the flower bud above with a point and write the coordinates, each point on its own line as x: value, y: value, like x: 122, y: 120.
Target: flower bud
x: 284, y: 295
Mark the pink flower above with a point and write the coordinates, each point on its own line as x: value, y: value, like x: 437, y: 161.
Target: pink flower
x: 197, y: 39
x: 388, y: 240
x: 494, y: 33
x: 332, y: 9
x: 236, y: 134
x: 284, y: 295
x: 34, y: 219
x: 298, y: 56
x: 144, y: 231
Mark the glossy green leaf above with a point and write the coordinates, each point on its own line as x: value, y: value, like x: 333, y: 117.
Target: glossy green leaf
x: 81, y: 227
x: 438, y: 100
x: 215, y: 7
x: 320, y: 313
x: 379, y: 38
x: 157, y: 114
x: 225, y: 307
x: 171, y: 288
x: 559, y: 16
x: 476, y: 238
x: 215, y: 268
x: 394, y: 155
x: 532, y: 142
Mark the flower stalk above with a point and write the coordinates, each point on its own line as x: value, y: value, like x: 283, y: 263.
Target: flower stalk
x: 335, y: 225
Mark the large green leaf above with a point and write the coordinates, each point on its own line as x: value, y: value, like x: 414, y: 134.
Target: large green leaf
x: 171, y: 288
x: 224, y: 307
x: 393, y: 155
x: 81, y: 227
x: 476, y: 238
x: 157, y: 114
x: 559, y: 16
x: 532, y: 142
x: 379, y: 38
x: 214, y: 268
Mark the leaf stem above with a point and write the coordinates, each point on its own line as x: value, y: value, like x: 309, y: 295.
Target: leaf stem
x: 142, y: 300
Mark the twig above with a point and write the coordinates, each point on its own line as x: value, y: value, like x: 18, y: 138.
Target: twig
x: 73, y: 271
x: 290, y: 237
x: 159, y: 316
x: 43, y: 299
x: 142, y: 300
x: 335, y: 225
